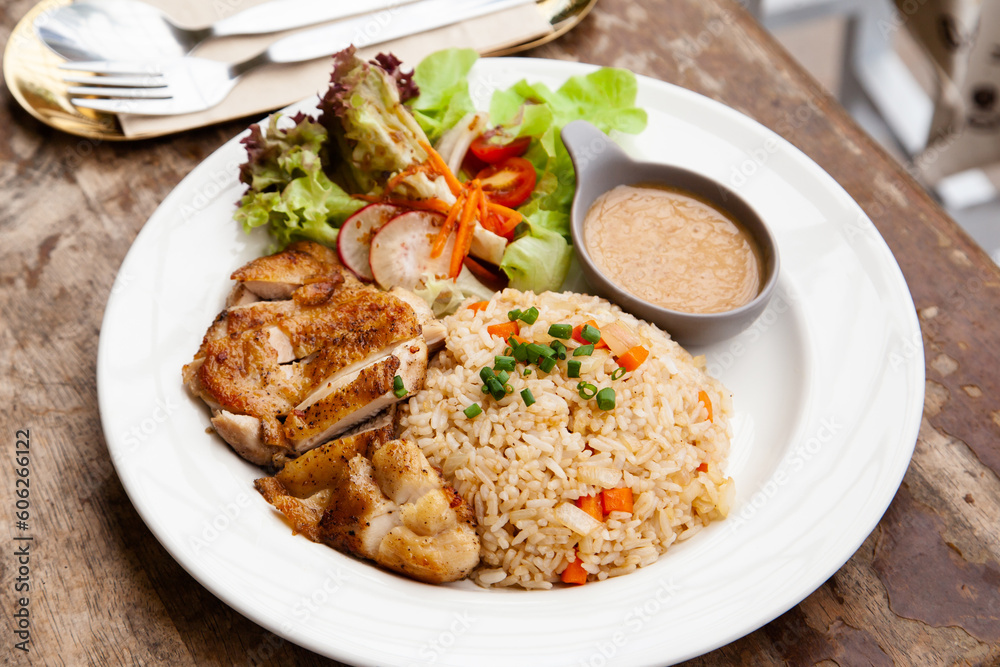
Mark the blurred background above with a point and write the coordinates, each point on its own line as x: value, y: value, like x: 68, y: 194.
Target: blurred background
x: 921, y: 76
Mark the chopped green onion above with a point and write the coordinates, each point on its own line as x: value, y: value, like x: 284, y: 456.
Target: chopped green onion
x: 473, y: 411
x: 561, y: 330
x: 503, y: 376
x: 520, y: 353
x: 527, y: 397
x: 606, y: 399
x: 508, y: 388
x: 513, y: 314
x: 536, y: 350
x: 529, y: 316
x: 586, y: 390
x: 398, y: 389
x: 503, y: 363
x: 590, y: 334
x: 618, y: 372
x: 583, y: 351
x: 573, y: 368
x: 559, y: 349
x: 547, y: 364
x: 486, y: 389
x: 507, y: 350
x: 496, y: 389
x: 527, y: 371
x: 486, y: 373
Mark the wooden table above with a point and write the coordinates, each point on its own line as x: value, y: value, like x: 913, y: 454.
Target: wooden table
x: 923, y: 589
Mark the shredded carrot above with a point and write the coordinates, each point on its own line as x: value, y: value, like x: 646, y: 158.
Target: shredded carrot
x: 574, y: 572
x: 591, y: 505
x: 504, y: 329
x: 466, y: 224
x: 632, y: 359
x: 520, y: 340
x: 617, y: 500
x: 442, y: 168
x: 509, y: 216
x: 484, y: 210
x: 703, y: 467
x: 703, y: 397
x: 449, y: 223
x: 478, y: 306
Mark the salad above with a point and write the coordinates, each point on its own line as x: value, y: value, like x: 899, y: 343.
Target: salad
x: 417, y: 188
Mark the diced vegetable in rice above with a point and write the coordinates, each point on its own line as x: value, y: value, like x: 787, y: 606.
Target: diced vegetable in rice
x: 524, y: 467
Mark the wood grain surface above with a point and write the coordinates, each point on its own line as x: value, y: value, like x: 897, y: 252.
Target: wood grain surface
x: 923, y: 589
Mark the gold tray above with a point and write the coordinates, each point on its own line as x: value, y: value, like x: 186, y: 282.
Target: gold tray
x: 31, y: 71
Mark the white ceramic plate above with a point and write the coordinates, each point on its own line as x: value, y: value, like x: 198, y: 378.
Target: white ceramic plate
x: 828, y: 389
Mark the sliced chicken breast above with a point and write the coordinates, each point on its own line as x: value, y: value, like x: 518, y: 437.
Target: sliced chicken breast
x: 278, y: 276
x: 305, y: 352
x: 389, y: 506
x: 355, y: 397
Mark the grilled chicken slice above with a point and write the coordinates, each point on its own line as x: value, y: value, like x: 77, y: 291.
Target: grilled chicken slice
x: 354, y: 397
x: 383, y: 502
x: 240, y: 296
x: 246, y: 435
x: 304, y: 352
x: 278, y: 276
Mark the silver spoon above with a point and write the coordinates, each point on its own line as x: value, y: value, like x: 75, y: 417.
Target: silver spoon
x: 130, y: 29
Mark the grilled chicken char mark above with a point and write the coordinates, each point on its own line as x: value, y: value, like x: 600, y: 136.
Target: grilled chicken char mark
x: 283, y: 376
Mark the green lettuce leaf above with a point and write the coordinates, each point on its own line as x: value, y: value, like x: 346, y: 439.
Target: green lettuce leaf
x: 444, y: 90
x: 287, y: 188
x: 605, y: 98
x: 371, y: 129
x: 537, y: 262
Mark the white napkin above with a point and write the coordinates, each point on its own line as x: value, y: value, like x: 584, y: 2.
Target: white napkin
x: 276, y: 86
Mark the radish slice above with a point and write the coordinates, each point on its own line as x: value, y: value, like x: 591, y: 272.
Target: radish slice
x: 401, y: 251
x: 355, y: 237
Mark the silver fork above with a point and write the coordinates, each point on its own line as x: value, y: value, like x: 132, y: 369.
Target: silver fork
x: 189, y: 84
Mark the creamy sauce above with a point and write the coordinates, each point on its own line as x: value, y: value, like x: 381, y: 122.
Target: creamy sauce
x: 672, y: 249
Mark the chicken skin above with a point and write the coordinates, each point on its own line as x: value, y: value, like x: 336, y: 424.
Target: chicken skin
x: 381, y: 500
x: 302, y: 371
x: 303, y: 353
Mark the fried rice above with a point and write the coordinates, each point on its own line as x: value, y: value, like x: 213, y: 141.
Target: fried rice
x: 522, y: 468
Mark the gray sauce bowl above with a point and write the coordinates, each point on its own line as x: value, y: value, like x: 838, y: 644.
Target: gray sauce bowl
x: 602, y: 165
